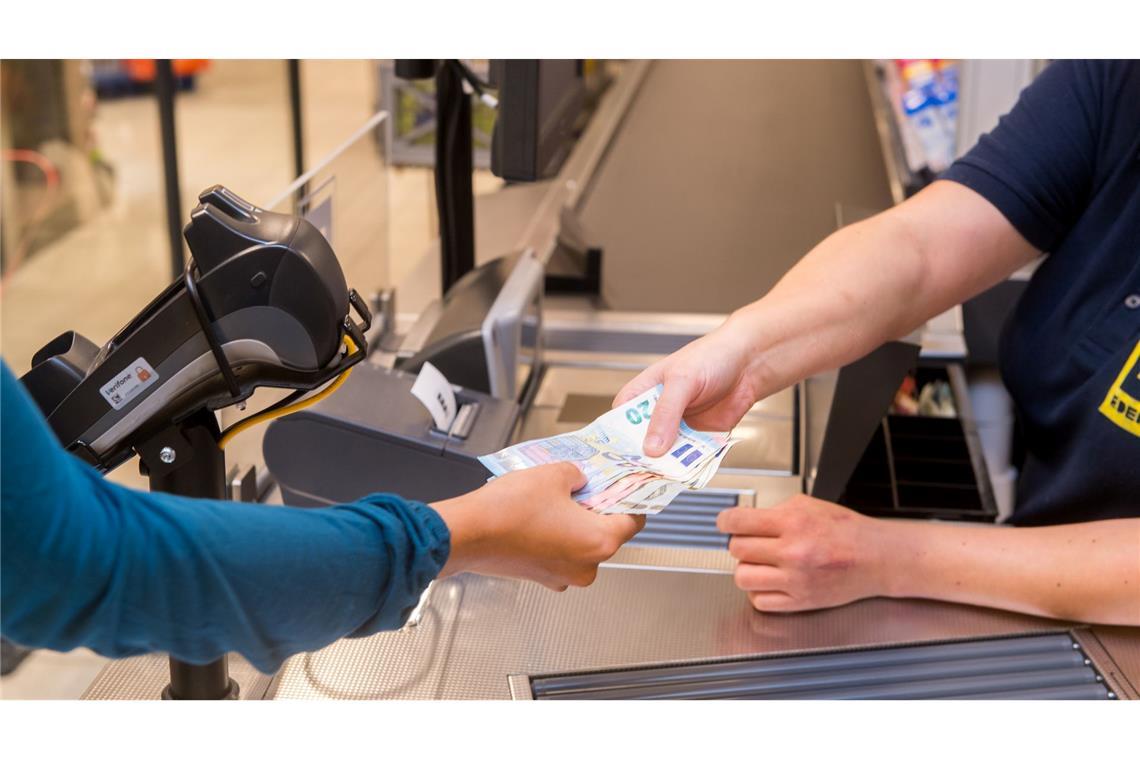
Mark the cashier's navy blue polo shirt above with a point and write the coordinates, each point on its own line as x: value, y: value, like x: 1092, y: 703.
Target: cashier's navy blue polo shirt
x: 1064, y: 168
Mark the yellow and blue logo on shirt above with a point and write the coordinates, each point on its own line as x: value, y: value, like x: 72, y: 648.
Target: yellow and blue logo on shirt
x: 1122, y: 404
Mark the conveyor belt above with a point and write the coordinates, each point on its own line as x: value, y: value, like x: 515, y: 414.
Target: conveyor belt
x: 725, y: 173
x: 1051, y: 666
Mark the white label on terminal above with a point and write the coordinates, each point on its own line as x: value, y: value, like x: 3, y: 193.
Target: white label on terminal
x: 128, y: 384
x: 435, y: 393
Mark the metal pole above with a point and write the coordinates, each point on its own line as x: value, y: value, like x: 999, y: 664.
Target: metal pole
x: 164, y: 87
x: 294, y: 67
x: 454, y: 194
x: 201, y: 474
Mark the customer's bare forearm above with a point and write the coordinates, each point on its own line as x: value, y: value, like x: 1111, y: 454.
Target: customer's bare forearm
x: 1086, y: 571
x: 879, y: 280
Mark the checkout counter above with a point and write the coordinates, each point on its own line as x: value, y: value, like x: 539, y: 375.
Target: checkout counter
x: 663, y: 619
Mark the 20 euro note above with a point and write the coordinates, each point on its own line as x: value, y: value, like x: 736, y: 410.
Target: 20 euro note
x: 611, y: 446
x: 620, y: 477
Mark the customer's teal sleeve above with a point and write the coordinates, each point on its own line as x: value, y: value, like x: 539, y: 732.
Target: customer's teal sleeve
x: 86, y: 562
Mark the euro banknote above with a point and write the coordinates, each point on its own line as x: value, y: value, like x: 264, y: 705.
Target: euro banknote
x: 620, y: 477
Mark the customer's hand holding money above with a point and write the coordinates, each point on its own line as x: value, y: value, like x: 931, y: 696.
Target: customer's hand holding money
x: 525, y: 526
x: 620, y: 477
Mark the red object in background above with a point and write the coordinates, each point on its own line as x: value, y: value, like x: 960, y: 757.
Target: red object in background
x: 914, y: 70
x: 906, y: 397
x: 142, y: 69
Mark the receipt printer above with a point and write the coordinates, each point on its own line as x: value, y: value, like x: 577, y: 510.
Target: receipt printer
x: 372, y: 435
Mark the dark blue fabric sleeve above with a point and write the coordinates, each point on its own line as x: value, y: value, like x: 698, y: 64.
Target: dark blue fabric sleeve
x: 86, y: 562
x: 1037, y: 165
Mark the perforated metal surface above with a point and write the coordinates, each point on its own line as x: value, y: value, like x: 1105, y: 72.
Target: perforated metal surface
x: 1049, y: 666
x: 1115, y: 650
x: 481, y: 630
x: 1123, y: 644
x: 673, y: 558
x: 146, y: 676
x: 404, y: 664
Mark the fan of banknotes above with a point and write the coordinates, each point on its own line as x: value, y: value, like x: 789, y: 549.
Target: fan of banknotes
x: 621, y: 479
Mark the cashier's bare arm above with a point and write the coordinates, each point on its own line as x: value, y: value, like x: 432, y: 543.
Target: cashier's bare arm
x: 866, y: 284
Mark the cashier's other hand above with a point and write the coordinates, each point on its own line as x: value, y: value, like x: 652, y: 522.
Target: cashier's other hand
x: 525, y: 525
x: 803, y: 554
x: 709, y: 383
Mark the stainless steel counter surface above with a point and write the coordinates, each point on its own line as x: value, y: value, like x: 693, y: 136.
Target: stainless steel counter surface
x: 479, y: 631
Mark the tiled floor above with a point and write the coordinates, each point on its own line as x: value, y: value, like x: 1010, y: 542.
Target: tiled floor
x: 234, y: 130
x: 52, y: 675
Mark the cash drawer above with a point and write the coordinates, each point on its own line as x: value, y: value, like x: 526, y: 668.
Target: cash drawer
x: 918, y: 466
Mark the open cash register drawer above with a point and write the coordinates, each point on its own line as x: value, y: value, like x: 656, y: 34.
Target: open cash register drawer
x: 925, y: 466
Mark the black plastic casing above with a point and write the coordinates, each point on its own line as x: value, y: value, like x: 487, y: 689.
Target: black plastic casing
x: 261, y: 276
